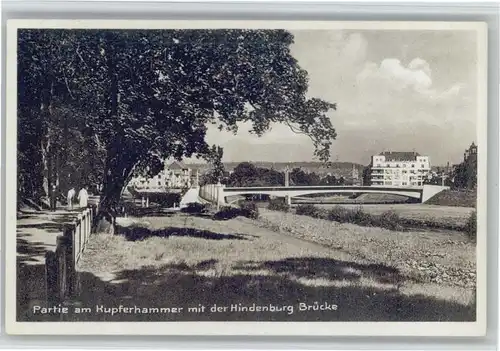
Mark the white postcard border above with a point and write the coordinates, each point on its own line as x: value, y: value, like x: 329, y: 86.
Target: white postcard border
x: 477, y: 328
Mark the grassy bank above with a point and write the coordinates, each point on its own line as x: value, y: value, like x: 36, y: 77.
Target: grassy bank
x: 459, y: 198
x: 392, y: 218
x: 422, y: 255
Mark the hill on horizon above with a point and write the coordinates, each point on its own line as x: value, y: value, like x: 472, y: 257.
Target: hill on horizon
x: 336, y: 168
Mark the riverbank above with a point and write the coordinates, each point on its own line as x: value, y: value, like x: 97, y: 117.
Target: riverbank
x: 422, y: 255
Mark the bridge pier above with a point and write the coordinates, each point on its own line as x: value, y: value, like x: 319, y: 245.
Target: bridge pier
x: 220, y: 199
x: 429, y: 191
x: 288, y: 200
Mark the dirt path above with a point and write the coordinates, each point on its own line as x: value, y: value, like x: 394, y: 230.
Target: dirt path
x: 180, y: 261
x: 36, y: 234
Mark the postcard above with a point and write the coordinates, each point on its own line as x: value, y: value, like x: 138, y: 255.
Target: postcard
x: 246, y: 178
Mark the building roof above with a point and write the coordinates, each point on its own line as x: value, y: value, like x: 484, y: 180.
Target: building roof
x: 400, y: 155
x: 177, y: 165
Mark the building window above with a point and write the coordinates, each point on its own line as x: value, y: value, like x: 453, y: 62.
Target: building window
x: 422, y: 166
x: 412, y: 166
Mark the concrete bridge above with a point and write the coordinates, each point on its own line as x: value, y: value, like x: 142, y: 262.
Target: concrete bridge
x: 217, y: 193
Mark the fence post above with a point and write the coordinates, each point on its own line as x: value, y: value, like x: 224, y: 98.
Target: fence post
x: 81, y: 231
x: 89, y: 223
x: 61, y: 252
x: 87, y: 226
x: 84, y: 227
x: 69, y: 235
x: 77, y: 242
x: 51, y: 278
x: 87, y: 216
x: 92, y: 220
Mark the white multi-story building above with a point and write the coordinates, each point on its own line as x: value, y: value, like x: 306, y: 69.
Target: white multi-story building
x: 174, y: 176
x: 403, y: 169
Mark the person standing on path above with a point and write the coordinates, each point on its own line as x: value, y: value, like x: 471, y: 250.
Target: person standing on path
x: 71, y: 195
x: 83, y: 197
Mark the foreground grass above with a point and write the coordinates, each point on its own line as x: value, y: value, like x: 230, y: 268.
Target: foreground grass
x: 189, y: 261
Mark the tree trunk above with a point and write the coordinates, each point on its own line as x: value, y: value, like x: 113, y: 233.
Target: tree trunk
x: 46, y: 144
x: 118, y: 165
x: 117, y: 174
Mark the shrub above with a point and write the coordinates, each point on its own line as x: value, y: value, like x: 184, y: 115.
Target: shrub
x: 249, y: 209
x: 338, y: 214
x: 278, y: 205
x: 389, y: 220
x: 227, y: 212
x: 321, y: 213
x: 471, y: 226
x: 307, y: 210
x: 361, y: 217
x: 195, y: 207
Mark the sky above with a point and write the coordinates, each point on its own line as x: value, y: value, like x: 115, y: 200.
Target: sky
x: 394, y: 90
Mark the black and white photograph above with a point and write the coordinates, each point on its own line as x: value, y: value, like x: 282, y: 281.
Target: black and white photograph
x: 256, y: 172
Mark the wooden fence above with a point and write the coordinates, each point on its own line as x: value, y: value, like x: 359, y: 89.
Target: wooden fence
x: 60, y: 265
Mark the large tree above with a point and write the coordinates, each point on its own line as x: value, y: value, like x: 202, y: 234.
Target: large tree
x: 149, y: 95
x: 55, y: 145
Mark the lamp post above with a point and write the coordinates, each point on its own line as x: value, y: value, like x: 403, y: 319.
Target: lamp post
x: 287, y: 176
x: 287, y: 184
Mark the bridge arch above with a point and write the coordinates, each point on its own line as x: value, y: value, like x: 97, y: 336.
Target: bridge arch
x: 220, y: 192
x: 415, y: 193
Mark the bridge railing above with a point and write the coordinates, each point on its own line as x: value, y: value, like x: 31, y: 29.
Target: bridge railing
x: 216, y: 193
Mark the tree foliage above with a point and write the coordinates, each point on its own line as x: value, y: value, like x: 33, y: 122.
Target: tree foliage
x: 465, y: 173
x: 143, y: 96
x: 246, y: 174
x: 217, y: 172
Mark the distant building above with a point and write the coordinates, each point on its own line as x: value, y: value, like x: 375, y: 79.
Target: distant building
x: 465, y: 173
x: 174, y: 176
x: 399, y: 169
x: 470, y: 155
